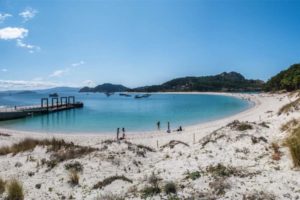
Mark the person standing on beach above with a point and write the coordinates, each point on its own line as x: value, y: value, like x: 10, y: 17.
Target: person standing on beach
x: 118, y: 132
x: 158, y: 125
x: 168, y: 131
x: 123, y: 130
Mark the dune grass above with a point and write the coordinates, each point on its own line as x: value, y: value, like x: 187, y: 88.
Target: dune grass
x: 153, y: 187
x: 294, y: 105
x: 2, y: 186
x: 5, y: 135
x: 240, y: 126
x: 73, y: 178
x: 29, y: 144
x: 15, y: 190
x: 290, y: 125
x: 53, y: 145
x: 173, y: 143
x: 109, y: 180
x: 60, y: 150
x: 293, y: 143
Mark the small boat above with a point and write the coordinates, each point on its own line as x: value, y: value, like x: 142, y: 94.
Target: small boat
x: 125, y: 95
x: 53, y: 95
x: 142, y: 96
x: 108, y: 94
x: 146, y: 95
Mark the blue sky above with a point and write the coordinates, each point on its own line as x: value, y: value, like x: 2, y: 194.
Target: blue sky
x: 47, y: 43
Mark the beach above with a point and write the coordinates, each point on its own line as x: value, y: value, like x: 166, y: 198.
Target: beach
x: 172, y: 157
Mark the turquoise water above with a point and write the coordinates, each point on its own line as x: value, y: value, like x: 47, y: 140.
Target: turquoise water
x: 104, y: 114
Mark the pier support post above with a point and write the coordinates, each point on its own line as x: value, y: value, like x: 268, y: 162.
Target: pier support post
x: 56, y: 99
x: 71, y: 98
x: 47, y: 103
x: 62, y: 99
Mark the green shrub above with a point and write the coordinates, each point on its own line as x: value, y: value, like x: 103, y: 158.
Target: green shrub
x: 15, y: 190
x: 170, y: 188
x: 76, y: 166
x: 240, y: 126
x: 153, y: 189
x: 194, y: 175
x: 220, y: 170
x: 150, y: 191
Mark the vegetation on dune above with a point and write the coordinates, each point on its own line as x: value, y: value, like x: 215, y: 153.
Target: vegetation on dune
x: 75, y: 166
x: 240, y: 126
x: 170, y: 188
x: 61, y: 150
x: 293, y: 143
x: 52, y: 145
x: 153, y: 187
x: 5, y: 135
x: 29, y: 144
x: 73, y: 178
x: 150, y: 191
x: 288, y: 80
x: 2, y: 186
x: 173, y: 143
x: 294, y: 105
x: 110, y: 197
x: 290, y: 125
x: 15, y: 190
x: 109, y: 180
x: 193, y: 175
x: 220, y: 170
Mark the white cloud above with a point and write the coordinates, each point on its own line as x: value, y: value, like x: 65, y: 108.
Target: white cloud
x: 20, y: 84
x: 4, y: 16
x: 78, y: 63
x: 62, y: 72
x: 59, y: 73
x: 32, y: 48
x: 28, y: 14
x: 11, y: 33
x: 4, y: 70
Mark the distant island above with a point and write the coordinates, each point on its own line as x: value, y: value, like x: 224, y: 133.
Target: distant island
x: 105, y: 88
x: 224, y: 82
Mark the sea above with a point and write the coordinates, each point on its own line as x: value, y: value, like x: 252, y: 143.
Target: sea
x: 104, y: 114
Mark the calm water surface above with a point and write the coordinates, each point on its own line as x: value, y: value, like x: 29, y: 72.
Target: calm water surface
x: 104, y: 114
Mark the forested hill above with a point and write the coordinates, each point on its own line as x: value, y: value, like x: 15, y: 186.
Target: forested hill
x: 226, y: 82
x: 106, y: 87
x: 288, y: 80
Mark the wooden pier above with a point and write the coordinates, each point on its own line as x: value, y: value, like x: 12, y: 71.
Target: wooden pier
x: 65, y: 103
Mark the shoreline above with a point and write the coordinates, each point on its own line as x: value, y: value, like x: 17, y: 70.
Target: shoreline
x: 243, y: 96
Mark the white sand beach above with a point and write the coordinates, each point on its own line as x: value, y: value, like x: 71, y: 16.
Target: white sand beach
x: 188, y: 162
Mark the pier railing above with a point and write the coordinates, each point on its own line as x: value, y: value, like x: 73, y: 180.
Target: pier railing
x: 36, y: 107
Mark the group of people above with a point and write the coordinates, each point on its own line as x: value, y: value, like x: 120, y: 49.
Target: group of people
x: 158, y: 127
x: 118, y: 134
x: 168, y: 130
